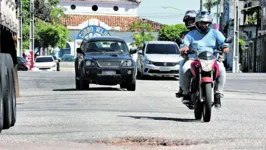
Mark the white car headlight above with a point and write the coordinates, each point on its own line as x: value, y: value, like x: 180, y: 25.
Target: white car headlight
x: 127, y: 63
x: 148, y: 62
x: 206, y: 65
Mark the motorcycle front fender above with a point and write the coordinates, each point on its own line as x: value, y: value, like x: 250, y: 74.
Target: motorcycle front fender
x: 206, y: 80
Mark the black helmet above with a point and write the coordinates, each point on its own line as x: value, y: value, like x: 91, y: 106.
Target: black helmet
x: 189, y: 18
x: 204, y: 16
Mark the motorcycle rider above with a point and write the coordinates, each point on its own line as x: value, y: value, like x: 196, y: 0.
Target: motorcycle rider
x: 206, y: 39
x: 189, y: 20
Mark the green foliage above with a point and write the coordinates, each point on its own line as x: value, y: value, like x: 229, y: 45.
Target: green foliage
x: 47, y: 28
x: 139, y: 26
x: 143, y: 34
x: 139, y: 38
x: 171, y: 32
x: 241, y: 42
x: 212, y: 4
x: 52, y: 35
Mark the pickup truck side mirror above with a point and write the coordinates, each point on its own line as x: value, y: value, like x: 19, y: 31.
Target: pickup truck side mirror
x: 80, y: 51
x: 133, y: 51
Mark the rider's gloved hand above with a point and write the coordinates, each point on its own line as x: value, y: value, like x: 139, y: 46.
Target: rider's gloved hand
x: 184, y: 49
x: 226, y: 50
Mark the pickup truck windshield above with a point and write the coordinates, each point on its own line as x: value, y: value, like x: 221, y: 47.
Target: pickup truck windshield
x: 106, y: 47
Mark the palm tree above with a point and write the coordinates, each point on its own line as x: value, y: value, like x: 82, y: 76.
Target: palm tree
x: 210, y: 4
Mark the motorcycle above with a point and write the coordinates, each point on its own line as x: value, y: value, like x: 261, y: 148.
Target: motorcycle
x: 205, y: 71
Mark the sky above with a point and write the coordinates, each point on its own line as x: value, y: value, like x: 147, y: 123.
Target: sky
x: 173, y: 13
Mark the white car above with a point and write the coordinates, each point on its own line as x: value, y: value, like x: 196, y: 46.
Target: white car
x: 159, y: 58
x: 46, y: 63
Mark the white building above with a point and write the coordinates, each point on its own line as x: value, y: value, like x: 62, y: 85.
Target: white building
x: 100, y: 17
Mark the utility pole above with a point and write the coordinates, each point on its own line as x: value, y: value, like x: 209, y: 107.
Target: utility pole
x: 236, y: 36
x: 200, y: 5
x: 32, y: 27
x: 19, y: 39
x: 209, y: 5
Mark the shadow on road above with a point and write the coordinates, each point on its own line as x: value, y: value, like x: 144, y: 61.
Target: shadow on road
x: 92, y: 89
x: 163, y: 118
x: 159, y: 78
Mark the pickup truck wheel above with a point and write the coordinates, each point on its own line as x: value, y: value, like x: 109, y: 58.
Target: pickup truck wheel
x: 77, y: 81
x: 83, y: 84
x: 132, y: 86
x: 123, y: 85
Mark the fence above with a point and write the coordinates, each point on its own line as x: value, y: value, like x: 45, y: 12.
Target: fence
x: 254, y: 58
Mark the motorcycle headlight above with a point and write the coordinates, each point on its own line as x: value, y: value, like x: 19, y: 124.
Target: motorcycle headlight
x: 206, y: 65
x: 127, y: 63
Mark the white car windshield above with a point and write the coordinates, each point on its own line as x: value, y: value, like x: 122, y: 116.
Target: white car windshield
x: 107, y: 47
x: 44, y: 59
x: 162, y: 49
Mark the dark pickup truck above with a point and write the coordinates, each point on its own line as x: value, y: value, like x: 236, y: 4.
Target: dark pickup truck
x: 105, y: 60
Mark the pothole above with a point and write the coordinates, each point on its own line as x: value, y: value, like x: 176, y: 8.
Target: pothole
x: 152, y: 141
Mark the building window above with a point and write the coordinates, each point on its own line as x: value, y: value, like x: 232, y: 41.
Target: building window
x: 115, y: 8
x: 73, y: 7
x: 94, y: 7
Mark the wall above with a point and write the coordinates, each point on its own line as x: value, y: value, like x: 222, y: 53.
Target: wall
x: 85, y: 8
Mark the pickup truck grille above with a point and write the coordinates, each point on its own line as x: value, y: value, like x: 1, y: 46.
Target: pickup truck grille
x: 106, y: 63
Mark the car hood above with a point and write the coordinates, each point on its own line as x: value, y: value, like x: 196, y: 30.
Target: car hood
x: 163, y: 57
x: 107, y: 57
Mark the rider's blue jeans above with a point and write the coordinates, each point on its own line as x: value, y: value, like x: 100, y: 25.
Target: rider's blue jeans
x: 181, y: 74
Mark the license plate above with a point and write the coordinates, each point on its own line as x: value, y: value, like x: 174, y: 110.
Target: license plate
x: 164, y: 69
x: 108, y: 72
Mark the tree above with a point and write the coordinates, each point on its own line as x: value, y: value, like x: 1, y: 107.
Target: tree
x: 210, y: 4
x: 143, y: 33
x: 52, y: 35
x: 47, y: 17
x: 171, y: 32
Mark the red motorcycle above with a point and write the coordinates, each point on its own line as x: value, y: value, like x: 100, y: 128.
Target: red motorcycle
x: 205, y: 71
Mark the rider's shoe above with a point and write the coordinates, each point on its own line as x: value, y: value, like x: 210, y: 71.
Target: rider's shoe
x: 217, y: 100
x: 179, y: 93
x: 186, y: 99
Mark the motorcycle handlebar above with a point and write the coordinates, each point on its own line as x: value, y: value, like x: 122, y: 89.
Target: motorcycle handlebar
x: 218, y: 51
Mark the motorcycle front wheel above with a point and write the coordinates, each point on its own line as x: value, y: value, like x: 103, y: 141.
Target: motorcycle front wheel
x: 207, y: 105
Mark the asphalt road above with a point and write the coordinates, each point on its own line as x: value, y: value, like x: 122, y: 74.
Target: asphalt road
x: 53, y: 115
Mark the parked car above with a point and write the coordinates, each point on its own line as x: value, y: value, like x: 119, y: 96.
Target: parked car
x: 46, y: 63
x: 57, y: 60
x: 23, y: 65
x: 105, y: 60
x: 68, y: 58
x: 159, y: 58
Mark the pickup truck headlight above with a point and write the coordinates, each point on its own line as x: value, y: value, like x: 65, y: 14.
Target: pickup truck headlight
x: 90, y: 63
x: 127, y: 63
